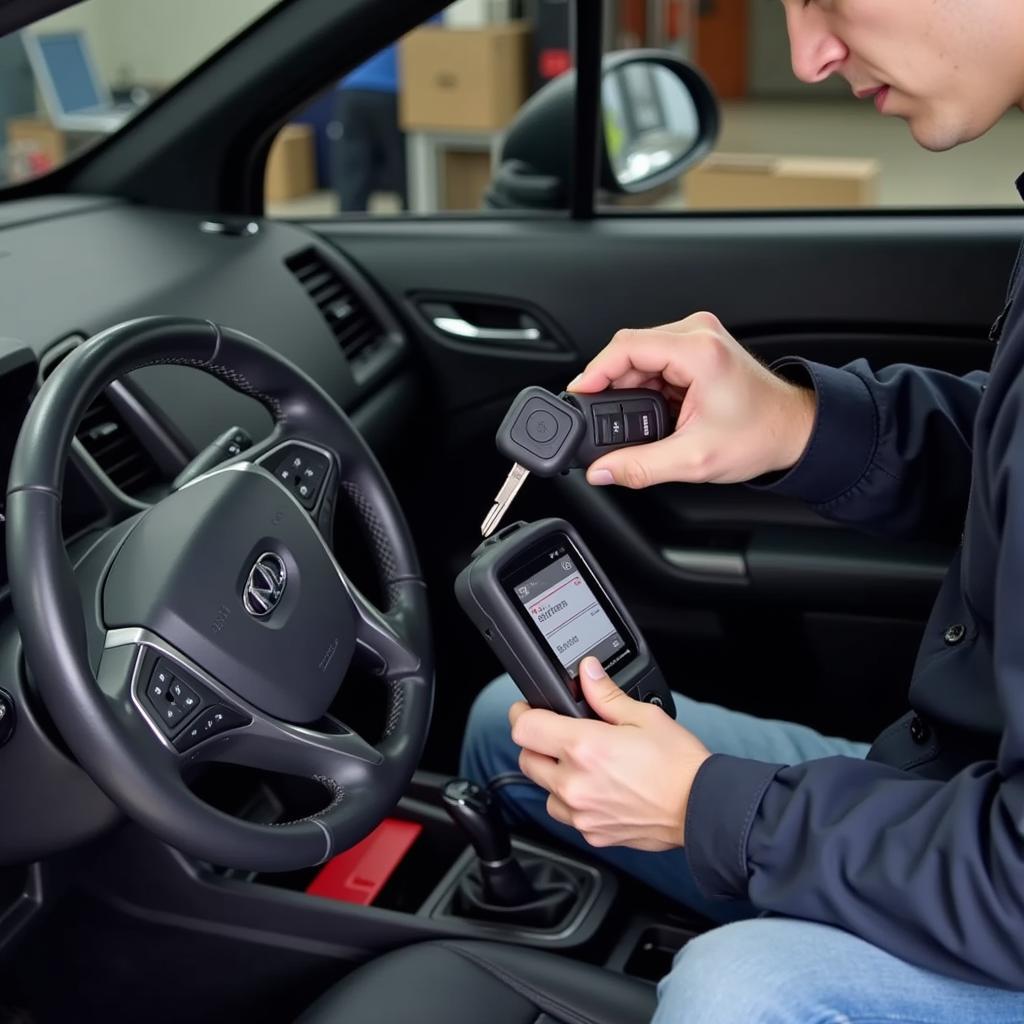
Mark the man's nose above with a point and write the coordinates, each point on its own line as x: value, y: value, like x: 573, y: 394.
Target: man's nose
x: 815, y: 50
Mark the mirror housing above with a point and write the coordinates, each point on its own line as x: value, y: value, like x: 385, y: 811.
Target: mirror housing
x: 537, y: 151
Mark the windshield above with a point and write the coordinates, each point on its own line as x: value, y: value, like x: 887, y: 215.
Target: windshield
x: 70, y: 80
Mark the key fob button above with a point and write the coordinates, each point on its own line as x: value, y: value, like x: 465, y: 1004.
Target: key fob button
x: 539, y: 416
x: 616, y: 428
x: 640, y: 427
x: 541, y: 425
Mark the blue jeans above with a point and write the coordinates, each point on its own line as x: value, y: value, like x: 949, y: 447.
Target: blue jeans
x: 772, y: 970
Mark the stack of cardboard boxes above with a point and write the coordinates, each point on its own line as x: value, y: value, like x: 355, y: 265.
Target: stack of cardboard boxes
x: 463, y: 80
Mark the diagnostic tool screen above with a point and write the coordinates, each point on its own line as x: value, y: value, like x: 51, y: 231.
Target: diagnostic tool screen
x: 559, y: 595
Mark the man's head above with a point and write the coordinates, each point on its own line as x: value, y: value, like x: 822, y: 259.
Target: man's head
x: 950, y: 68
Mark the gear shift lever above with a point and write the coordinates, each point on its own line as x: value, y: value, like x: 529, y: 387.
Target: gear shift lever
x: 474, y: 811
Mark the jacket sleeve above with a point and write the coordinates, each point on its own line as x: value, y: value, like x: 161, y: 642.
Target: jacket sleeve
x: 932, y: 871
x: 890, y: 451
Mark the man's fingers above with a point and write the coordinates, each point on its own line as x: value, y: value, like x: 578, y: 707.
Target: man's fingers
x: 541, y: 731
x: 559, y: 811
x: 652, y: 352
x: 515, y: 711
x: 538, y: 768
x: 604, y: 696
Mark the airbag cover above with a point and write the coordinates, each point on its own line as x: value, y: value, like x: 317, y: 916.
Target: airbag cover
x: 183, y: 571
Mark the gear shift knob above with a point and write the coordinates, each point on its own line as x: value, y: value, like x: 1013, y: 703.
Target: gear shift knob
x: 476, y: 813
x: 504, y: 882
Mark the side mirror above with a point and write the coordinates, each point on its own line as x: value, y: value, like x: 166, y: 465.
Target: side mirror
x: 659, y: 116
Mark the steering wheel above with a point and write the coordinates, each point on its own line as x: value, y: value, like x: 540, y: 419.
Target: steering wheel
x: 216, y: 625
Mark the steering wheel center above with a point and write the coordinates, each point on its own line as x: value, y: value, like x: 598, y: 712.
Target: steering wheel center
x: 232, y: 571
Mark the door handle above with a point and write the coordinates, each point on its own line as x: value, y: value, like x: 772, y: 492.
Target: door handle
x: 707, y: 561
x: 458, y: 327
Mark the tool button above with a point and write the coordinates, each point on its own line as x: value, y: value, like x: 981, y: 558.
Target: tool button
x: 954, y: 634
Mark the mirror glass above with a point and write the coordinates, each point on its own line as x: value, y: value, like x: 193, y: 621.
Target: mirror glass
x: 650, y: 120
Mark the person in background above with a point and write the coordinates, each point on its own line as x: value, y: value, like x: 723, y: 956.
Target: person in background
x: 367, y: 143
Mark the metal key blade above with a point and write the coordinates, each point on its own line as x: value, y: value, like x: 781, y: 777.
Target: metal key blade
x: 509, y: 489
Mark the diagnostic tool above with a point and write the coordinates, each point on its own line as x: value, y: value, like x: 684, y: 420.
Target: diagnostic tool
x: 540, y: 599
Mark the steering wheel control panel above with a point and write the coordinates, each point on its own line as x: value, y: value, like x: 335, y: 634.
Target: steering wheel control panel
x: 302, y: 470
x: 186, y: 711
x: 540, y: 599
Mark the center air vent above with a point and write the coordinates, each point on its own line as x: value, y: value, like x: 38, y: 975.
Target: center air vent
x: 353, y: 325
x: 117, y: 451
x: 106, y: 436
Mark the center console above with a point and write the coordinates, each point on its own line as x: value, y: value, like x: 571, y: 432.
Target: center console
x: 453, y: 881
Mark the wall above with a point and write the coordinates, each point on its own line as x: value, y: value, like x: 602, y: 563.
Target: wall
x: 770, y: 72
x: 153, y: 41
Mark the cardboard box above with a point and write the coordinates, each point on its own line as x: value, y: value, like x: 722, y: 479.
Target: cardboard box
x: 291, y: 164
x: 466, y: 177
x: 741, y: 182
x: 470, y: 80
x: 34, y: 147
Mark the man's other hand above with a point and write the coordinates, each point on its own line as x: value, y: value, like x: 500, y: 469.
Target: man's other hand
x: 736, y: 419
x: 623, y: 781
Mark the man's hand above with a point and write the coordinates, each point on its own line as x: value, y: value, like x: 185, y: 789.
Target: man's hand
x: 624, y: 781
x: 736, y: 419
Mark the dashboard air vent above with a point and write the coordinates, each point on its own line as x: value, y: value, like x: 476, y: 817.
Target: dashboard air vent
x: 353, y: 325
x: 117, y: 451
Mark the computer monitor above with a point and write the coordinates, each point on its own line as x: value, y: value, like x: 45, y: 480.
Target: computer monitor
x: 75, y: 95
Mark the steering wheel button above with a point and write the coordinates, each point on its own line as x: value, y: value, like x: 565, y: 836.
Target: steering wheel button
x: 211, y: 722
x: 184, y: 696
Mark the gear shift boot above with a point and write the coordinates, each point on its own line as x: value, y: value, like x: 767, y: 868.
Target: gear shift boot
x: 554, y: 892
x: 530, y: 891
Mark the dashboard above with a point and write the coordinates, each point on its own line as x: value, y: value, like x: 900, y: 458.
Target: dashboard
x: 72, y: 266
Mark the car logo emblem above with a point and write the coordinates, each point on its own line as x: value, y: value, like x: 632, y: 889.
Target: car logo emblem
x: 265, y: 586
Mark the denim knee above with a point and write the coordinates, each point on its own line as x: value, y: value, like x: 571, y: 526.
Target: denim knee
x: 751, y: 972
x: 487, y: 747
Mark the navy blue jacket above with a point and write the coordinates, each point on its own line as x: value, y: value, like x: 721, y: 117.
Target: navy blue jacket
x: 920, y: 848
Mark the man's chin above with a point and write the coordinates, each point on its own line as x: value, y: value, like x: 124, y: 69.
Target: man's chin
x: 937, y: 137
x: 934, y: 143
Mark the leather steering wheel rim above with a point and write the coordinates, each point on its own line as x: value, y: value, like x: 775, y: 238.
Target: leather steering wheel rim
x: 98, y: 712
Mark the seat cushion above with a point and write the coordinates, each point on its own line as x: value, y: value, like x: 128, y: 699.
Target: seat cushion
x: 470, y: 982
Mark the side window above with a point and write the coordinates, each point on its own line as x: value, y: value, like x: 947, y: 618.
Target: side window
x: 417, y: 127
x: 784, y: 144
x: 70, y: 80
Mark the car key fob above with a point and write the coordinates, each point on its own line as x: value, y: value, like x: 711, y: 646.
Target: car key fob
x: 618, y: 419
x: 547, y: 434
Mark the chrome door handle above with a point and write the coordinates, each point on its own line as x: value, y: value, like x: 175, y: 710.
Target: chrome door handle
x: 457, y: 327
x: 707, y: 561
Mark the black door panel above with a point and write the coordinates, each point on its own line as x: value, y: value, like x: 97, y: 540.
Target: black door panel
x: 747, y: 598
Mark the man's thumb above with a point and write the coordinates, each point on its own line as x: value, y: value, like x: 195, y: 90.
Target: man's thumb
x: 603, y: 695
x: 639, y: 465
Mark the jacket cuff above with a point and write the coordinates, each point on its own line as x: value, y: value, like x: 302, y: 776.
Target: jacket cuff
x: 725, y: 796
x: 843, y: 440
